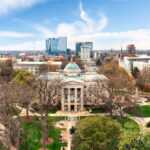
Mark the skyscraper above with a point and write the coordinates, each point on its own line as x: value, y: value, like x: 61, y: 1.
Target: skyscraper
x: 85, y: 52
x: 86, y: 44
x: 56, y: 45
x: 131, y: 49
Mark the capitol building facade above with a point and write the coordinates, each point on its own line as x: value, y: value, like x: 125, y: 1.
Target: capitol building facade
x: 75, y: 87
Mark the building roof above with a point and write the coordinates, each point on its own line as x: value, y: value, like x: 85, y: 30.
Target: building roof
x: 72, y: 66
x: 73, y: 78
x: 73, y: 73
x: 92, y: 76
x: 31, y: 63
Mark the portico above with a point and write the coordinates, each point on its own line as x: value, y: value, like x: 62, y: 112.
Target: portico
x: 74, y: 91
x: 72, y: 98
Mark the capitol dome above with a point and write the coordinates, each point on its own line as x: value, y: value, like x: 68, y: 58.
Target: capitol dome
x: 72, y: 69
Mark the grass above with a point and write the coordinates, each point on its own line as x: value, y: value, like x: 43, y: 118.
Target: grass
x: 53, y: 111
x: 31, y: 137
x: 101, y: 109
x: 138, y: 111
x: 127, y: 123
x: 2, y: 146
x: 33, y: 134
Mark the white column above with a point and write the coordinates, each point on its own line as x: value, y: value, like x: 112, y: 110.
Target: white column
x: 76, y: 96
x: 68, y: 99
x: 62, y: 100
x: 82, y: 109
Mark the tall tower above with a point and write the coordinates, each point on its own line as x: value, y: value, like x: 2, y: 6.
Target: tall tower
x: 131, y: 49
x: 121, y: 54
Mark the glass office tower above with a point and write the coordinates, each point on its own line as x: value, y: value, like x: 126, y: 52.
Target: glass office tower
x: 56, y: 45
x: 80, y: 44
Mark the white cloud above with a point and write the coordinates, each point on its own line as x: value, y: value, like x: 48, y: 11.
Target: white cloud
x: 11, y: 34
x: 84, y: 15
x: 85, y: 29
x: 8, y: 5
x: 36, y: 45
x: 84, y: 26
x: 45, y: 32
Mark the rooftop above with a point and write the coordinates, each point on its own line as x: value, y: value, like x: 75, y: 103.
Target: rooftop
x: 72, y: 66
x: 31, y: 63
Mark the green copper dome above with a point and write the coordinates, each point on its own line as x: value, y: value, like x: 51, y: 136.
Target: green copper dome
x: 72, y: 66
x: 72, y: 69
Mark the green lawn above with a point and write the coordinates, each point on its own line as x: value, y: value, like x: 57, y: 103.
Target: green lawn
x: 127, y: 123
x: 139, y: 111
x: 101, y: 109
x: 33, y: 134
x: 53, y: 111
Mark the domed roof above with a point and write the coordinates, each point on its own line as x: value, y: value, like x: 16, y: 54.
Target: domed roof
x: 72, y: 66
x: 72, y: 69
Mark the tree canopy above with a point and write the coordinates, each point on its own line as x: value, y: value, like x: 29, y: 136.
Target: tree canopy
x: 135, y: 72
x: 97, y: 133
x: 112, y: 70
x: 23, y: 77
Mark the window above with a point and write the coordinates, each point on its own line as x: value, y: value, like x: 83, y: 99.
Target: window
x: 66, y: 108
x: 78, y: 108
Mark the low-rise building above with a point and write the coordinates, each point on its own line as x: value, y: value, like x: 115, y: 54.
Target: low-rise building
x: 142, y: 66
x: 37, y: 68
x: 129, y: 63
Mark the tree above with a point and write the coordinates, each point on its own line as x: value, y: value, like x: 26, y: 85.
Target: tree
x: 5, y: 72
x: 113, y: 90
x: 26, y: 96
x: 98, y: 62
x: 15, y: 72
x: 132, y: 139
x: 112, y: 70
x: 24, y: 78
x: 9, y: 115
x: 48, y: 93
x: 96, y: 133
x: 142, y: 79
x: 79, y: 62
x: 53, y: 68
x: 25, y: 92
x: 135, y: 72
x: 64, y: 63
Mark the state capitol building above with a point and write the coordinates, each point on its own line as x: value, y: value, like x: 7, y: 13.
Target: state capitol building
x: 76, y: 83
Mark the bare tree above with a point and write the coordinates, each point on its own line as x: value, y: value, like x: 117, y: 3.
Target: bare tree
x: 26, y: 96
x: 9, y: 115
x: 48, y: 92
x: 113, y: 93
x: 142, y: 79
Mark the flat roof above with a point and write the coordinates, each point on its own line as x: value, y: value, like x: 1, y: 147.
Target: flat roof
x: 31, y: 63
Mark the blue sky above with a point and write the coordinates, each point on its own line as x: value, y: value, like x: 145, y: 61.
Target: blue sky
x: 25, y: 24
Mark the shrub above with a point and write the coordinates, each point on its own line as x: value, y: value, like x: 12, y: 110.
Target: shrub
x: 148, y: 125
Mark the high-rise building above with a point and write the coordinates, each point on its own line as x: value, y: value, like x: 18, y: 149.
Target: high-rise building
x: 56, y: 45
x: 131, y: 49
x: 85, y: 52
x: 80, y: 44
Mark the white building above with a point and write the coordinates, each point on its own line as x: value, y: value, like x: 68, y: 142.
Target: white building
x: 85, y: 52
x: 141, y: 62
x: 76, y: 85
x: 34, y: 67
x: 142, y: 66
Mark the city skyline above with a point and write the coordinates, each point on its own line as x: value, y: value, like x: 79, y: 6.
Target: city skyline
x: 107, y: 23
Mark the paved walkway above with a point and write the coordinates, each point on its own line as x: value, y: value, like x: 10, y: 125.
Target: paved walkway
x: 141, y: 121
